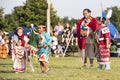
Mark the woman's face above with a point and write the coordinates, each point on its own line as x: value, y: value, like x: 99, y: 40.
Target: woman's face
x: 86, y: 14
x: 20, y: 32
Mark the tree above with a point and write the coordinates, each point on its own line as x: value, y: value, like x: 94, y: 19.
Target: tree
x: 1, y: 19
x: 54, y: 18
x: 71, y: 21
x: 116, y: 17
x: 33, y: 11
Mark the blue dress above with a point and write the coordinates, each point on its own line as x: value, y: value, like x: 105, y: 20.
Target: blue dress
x: 43, y: 53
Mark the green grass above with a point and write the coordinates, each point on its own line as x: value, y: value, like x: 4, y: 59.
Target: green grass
x: 67, y: 68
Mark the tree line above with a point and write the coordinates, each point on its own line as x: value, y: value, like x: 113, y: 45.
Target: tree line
x: 35, y: 11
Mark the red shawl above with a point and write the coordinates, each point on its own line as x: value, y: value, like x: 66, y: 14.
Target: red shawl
x: 82, y: 40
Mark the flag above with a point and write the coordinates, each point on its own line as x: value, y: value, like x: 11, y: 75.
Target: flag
x: 111, y: 26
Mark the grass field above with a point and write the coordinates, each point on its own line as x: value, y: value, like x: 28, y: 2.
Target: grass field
x: 67, y: 68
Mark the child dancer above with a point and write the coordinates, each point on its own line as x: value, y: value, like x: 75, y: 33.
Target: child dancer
x: 44, y: 41
x: 74, y: 33
x: 24, y: 40
x: 19, y: 61
x: 104, y: 47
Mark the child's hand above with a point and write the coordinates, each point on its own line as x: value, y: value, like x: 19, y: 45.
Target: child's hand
x: 86, y: 24
x: 107, y: 46
x: 45, y: 45
x: 32, y: 27
x: 90, y: 35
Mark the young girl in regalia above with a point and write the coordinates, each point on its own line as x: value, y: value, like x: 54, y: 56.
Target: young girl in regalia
x: 24, y: 40
x: 103, y: 41
x: 19, y: 60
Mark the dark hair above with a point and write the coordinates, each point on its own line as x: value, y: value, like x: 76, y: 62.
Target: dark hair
x: 16, y: 29
x: 43, y: 26
x: 103, y: 20
x: 88, y: 10
x: 19, y: 39
x: 19, y: 28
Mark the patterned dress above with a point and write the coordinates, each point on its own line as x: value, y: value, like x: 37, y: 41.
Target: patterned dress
x: 19, y: 62
x: 43, y: 53
x: 103, y: 52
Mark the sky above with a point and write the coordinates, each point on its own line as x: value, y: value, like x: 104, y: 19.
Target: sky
x: 70, y: 8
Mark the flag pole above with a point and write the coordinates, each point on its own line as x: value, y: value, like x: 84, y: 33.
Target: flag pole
x: 48, y: 16
x: 101, y: 9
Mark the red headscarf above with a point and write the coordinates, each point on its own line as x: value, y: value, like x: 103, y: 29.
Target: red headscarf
x: 22, y: 39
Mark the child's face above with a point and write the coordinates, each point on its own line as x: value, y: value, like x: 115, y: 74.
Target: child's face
x: 1, y: 33
x: 88, y: 20
x: 19, y: 43
x: 20, y: 32
x: 7, y: 41
x: 41, y: 29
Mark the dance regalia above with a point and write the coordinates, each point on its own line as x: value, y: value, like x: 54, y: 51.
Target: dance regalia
x: 43, y: 53
x: 33, y: 38
x: 103, y: 52
x: 92, y: 25
x: 19, y: 62
x: 14, y: 40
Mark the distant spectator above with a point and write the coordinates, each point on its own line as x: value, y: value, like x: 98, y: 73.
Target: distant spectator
x: 1, y: 38
x: 74, y: 32
x: 59, y: 28
x: 54, y: 43
x: 66, y: 34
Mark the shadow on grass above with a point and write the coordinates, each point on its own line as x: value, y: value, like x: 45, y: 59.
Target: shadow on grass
x: 64, y: 67
x: 1, y: 71
x: 5, y: 64
x: 11, y: 79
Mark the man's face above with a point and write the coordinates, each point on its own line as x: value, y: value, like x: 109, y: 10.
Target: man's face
x: 86, y: 14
